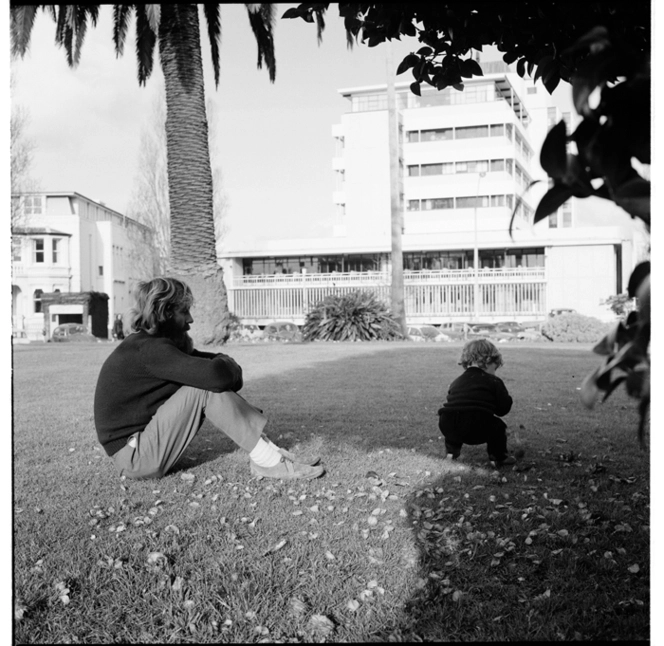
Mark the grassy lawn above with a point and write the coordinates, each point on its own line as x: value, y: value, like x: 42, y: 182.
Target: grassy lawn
x: 392, y: 544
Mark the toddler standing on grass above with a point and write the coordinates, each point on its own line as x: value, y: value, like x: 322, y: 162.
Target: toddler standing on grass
x: 475, y: 402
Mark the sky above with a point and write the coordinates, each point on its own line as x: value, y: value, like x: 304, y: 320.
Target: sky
x: 273, y: 143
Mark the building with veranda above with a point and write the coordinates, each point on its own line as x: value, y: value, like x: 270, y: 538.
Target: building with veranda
x: 66, y: 243
x: 466, y: 160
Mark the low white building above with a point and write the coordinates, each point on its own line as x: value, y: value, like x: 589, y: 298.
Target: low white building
x: 69, y: 243
x: 466, y: 160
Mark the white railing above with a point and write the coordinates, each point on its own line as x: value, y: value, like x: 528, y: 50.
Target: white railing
x: 428, y: 296
x: 384, y: 278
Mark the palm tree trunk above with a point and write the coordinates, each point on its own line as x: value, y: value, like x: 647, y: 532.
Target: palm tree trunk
x: 193, y: 251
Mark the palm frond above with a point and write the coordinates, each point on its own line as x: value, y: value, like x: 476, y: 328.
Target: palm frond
x: 261, y: 18
x: 211, y: 10
x: 121, y: 17
x: 22, y: 21
x: 153, y: 14
x: 146, y: 39
x: 320, y: 23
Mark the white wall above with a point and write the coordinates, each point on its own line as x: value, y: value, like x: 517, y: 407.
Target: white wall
x: 580, y: 276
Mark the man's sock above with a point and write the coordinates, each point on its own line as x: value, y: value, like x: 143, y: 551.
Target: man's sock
x: 264, y: 454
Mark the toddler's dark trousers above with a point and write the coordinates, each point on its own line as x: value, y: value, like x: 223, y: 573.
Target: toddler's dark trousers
x: 473, y: 427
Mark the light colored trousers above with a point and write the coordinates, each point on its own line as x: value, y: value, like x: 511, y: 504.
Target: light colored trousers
x: 152, y: 452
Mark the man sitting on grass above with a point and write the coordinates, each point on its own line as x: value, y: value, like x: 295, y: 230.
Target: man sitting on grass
x: 475, y: 402
x: 155, y: 389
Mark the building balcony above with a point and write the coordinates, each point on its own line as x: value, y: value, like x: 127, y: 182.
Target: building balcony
x: 373, y: 278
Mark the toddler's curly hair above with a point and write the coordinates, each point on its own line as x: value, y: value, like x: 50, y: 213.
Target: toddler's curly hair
x: 480, y: 352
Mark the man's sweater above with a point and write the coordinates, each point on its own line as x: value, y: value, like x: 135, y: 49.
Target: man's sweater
x: 476, y: 389
x: 141, y: 374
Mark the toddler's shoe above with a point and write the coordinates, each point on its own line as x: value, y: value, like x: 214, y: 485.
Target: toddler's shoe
x: 451, y: 456
x: 287, y: 470
x: 510, y: 459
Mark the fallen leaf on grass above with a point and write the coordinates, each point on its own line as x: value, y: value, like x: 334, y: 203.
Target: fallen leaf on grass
x: 19, y: 610
x: 541, y: 597
x: 156, y: 558
x: 187, y: 476
x: 353, y: 605
x: 297, y: 606
x: 276, y: 547
x: 321, y: 625
x: 329, y: 556
x: 634, y: 568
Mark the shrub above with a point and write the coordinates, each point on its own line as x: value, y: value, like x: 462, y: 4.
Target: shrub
x: 575, y: 327
x: 356, y: 316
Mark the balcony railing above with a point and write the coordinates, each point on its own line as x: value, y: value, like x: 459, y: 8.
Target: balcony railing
x: 384, y: 278
x: 429, y: 296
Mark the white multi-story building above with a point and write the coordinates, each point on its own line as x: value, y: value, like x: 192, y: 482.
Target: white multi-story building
x: 466, y: 160
x: 68, y: 243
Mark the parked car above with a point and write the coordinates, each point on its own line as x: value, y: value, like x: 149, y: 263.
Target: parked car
x: 562, y: 310
x: 282, y: 331
x: 518, y: 330
x: 426, y: 333
x: 494, y: 331
x: 75, y: 332
x: 481, y: 330
x: 511, y: 327
x: 248, y: 332
x: 453, y: 330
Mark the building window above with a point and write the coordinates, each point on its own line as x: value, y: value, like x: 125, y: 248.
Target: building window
x: 497, y: 165
x: 472, y: 201
x: 38, y: 250
x: 413, y: 136
x: 16, y: 249
x: 472, y: 132
x: 567, y: 214
x: 553, y: 220
x: 551, y: 116
x: 498, y: 130
x: 413, y: 171
x: 439, y: 134
x: 432, y: 169
x: 413, y: 205
x: 56, y: 249
x: 37, y: 299
x: 438, y: 203
x: 33, y: 204
x: 497, y: 200
x: 101, y: 270
x: 531, y: 90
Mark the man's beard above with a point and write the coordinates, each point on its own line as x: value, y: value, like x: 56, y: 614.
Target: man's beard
x: 176, y: 333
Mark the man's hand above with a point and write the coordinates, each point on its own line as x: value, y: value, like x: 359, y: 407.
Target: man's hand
x: 234, y: 370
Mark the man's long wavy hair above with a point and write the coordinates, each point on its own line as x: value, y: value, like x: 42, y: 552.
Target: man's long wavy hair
x: 480, y: 352
x: 156, y: 300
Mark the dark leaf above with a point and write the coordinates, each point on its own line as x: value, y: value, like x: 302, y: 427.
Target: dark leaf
x: 415, y: 88
x: 551, y: 82
x: 639, y: 274
x: 554, y: 198
x: 542, y: 66
x: 293, y: 12
x: 521, y: 67
x: 469, y: 68
x: 409, y: 61
x: 553, y: 156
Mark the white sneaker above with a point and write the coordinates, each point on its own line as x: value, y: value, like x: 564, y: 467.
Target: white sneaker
x: 287, y: 470
x: 312, y: 462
